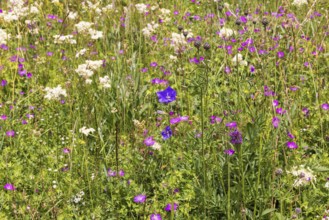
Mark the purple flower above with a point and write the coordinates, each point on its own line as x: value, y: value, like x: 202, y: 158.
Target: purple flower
x: 3, y: 117
x: 166, y: 96
x: 66, y: 151
x: 280, y: 111
x: 232, y: 124
x: 229, y: 152
x: 275, y: 103
x: 291, y: 136
x: 155, y: 217
x: 154, y: 64
x: 325, y: 106
x: 10, y: 133
x: 306, y: 111
x: 292, y: 145
x: 140, y: 198
x: 214, y: 119
x: 169, y: 208
x: 236, y: 137
x: 121, y: 173
x: 111, y: 172
x: 280, y: 54
x: 252, y: 68
x: 196, y: 60
x: 166, y: 133
x: 4, y: 82
x: 9, y: 186
x: 268, y: 92
x: 149, y: 141
x: 275, y: 122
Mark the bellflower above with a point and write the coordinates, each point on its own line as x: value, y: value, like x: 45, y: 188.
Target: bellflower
x: 166, y: 133
x: 166, y: 96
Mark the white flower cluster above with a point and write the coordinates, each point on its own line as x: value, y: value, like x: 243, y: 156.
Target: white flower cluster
x: 238, y: 59
x: 226, y: 32
x: 60, y: 39
x: 84, y: 27
x: 164, y: 16
x: 178, y: 41
x: 141, y: 8
x: 150, y: 29
x: 55, y: 93
x: 87, y: 69
x: 18, y: 10
x: 105, y: 82
x: 304, y: 176
x: 86, y: 131
x: 156, y: 146
x: 299, y: 2
x: 78, y: 197
x: 81, y: 52
x: 4, y: 36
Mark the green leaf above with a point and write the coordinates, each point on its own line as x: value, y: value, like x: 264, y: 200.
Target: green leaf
x: 266, y: 211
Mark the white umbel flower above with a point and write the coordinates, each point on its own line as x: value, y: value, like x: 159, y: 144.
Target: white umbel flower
x: 304, y: 176
x: 4, y: 36
x: 238, y: 59
x: 86, y: 131
x: 55, y: 93
x: 226, y: 32
x: 299, y: 2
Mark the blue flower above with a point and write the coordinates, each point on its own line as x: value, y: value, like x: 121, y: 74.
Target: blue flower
x: 166, y: 133
x: 167, y: 95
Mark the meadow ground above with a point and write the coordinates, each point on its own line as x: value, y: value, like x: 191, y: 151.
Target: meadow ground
x: 168, y: 109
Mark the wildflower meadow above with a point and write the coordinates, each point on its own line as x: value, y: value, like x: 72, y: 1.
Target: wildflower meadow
x: 164, y: 109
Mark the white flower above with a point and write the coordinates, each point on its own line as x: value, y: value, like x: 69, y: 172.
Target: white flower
x: 238, y: 58
x: 94, y: 64
x: 141, y: 8
x: 59, y: 39
x: 84, y: 71
x: 4, y: 36
x: 95, y: 34
x: 299, y: 2
x: 173, y: 58
x: 156, y: 146
x: 55, y: 93
x: 226, y: 32
x: 178, y: 41
x: 72, y: 15
x: 150, y: 28
x: 83, y: 26
x: 105, y: 82
x: 86, y: 131
x: 81, y: 52
x: 304, y: 176
x: 327, y: 185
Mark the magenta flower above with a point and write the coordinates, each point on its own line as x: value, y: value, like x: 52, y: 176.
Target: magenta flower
x: 9, y: 186
x: 3, y: 117
x: 149, y: 141
x: 292, y: 145
x: 169, y: 207
x: 232, y: 124
x: 155, y: 217
x: 140, y: 198
x: 10, y: 133
x: 280, y: 54
x: 66, y: 151
x: 275, y: 122
x: 275, y: 103
x: 325, y: 106
x: 214, y: 119
x: 111, y: 172
x: 229, y: 152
